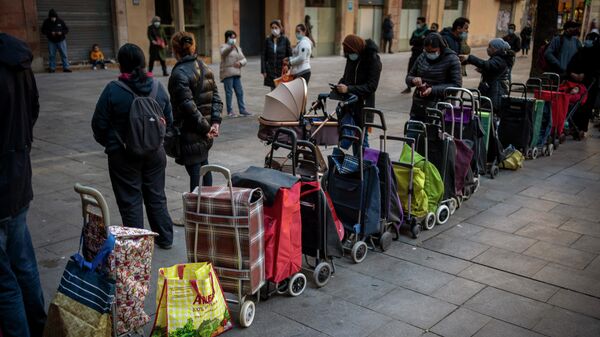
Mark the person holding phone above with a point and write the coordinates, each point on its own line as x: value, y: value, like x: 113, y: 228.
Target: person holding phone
x: 196, y: 105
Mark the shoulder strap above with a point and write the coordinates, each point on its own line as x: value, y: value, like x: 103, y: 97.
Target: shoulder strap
x: 125, y: 87
x: 154, y: 92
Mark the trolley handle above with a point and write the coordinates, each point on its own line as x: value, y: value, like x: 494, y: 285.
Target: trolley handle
x: 554, y: 79
x: 91, y: 196
x: 277, y: 143
x: 523, y: 90
x: 406, y: 140
x: 305, y: 147
x: 354, y: 129
x: 379, y: 113
x: 436, y: 116
x: 456, y: 91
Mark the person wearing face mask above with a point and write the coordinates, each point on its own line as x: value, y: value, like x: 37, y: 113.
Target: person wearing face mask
x: 56, y: 30
x: 158, y: 45
x: 361, y: 74
x: 416, y: 41
x: 387, y: 34
x: 434, y: 27
x: 526, y: 39
x: 513, y: 40
x: 562, y: 48
x: 495, y: 71
x: 456, y: 34
x: 232, y: 61
x: 277, y: 48
x: 300, y: 60
x: 435, y: 70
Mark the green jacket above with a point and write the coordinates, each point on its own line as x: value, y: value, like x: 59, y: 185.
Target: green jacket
x: 157, y: 34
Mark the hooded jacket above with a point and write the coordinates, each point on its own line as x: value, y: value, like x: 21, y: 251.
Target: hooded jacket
x: 495, y: 74
x: 362, y: 77
x: 58, y: 26
x: 441, y: 73
x: 112, y: 110
x: 20, y: 109
x: 196, y: 106
x: 452, y: 40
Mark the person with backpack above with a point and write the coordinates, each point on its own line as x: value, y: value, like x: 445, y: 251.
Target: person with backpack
x: 197, y: 107
x: 562, y: 48
x: 130, y: 121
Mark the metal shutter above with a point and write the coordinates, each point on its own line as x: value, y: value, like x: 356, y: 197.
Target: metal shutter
x: 89, y: 22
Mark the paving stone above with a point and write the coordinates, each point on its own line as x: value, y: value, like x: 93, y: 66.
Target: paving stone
x: 428, y: 258
x: 593, y: 269
x: 497, y: 222
x: 504, y: 209
x: 583, y: 213
x: 532, y: 203
x: 465, y: 211
x: 403, y: 273
x: 508, y: 307
x: 455, y: 246
x: 536, y: 191
x: 569, y: 278
x: 509, y: 282
x: 541, y: 217
x: 397, y: 329
x: 345, y: 282
x: 463, y: 230
x: 563, y: 255
x: 271, y: 324
x: 462, y: 322
x: 577, y: 302
x: 582, y: 227
x: 588, y: 243
x: 564, y: 323
x: 503, y: 240
x: 548, y: 234
x: 510, y: 261
x: 409, y: 306
x: 458, y: 291
x: 496, y: 328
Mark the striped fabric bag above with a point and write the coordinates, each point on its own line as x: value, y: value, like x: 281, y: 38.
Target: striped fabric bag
x: 83, y: 303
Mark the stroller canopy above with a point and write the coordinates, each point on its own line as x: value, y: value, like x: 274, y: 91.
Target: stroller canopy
x: 286, y: 103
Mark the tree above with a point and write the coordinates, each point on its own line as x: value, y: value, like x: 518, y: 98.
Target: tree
x: 544, y: 30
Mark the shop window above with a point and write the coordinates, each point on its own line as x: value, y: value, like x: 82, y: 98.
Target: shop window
x: 164, y: 9
x: 451, y: 4
x: 320, y: 3
x: 412, y: 4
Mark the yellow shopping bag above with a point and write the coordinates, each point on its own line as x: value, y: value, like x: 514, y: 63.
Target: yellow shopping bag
x: 190, y: 300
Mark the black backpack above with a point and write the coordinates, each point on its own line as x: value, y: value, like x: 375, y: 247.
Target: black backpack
x: 147, y: 124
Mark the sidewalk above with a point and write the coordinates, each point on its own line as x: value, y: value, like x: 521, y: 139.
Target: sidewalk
x: 521, y: 258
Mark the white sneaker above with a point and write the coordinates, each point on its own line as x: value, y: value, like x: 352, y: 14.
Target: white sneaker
x: 94, y: 68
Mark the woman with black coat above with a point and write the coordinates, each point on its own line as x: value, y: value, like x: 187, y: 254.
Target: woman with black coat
x: 277, y: 48
x: 495, y: 72
x: 197, y: 107
x: 435, y: 70
x: 136, y: 180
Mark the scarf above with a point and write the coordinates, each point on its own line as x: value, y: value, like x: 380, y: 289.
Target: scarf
x: 420, y: 32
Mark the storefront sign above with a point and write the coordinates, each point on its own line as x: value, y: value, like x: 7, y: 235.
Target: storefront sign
x: 350, y: 5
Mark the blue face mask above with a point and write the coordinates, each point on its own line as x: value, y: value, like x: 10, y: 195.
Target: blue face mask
x: 299, y: 36
x: 464, y: 35
x: 432, y: 56
x: 588, y: 43
x: 353, y: 57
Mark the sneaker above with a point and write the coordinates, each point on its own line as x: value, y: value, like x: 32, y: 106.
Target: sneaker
x: 179, y: 222
x: 94, y: 68
x: 407, y: 91
x: 245, y: 113
x: 67, y: 70
x: 166, y: 246
x: 230, y: 114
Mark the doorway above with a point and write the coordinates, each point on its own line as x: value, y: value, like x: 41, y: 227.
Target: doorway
x: 411, y: 10
x: 369, y: 22
x: 252, y: 18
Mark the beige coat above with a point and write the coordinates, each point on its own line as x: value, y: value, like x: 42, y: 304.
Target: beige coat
x: 229, y: 56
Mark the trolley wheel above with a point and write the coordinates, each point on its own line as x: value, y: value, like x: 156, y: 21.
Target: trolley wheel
x: 453, y: 205
x: 429, y: 221
x: 247, y: 314
x: 322, y: 274
x: 528, y: 153
x: 359, y: 251
x: 415, y: 229
x: 297, y: 284
x: 442, y: 215
x: 550, y: 149
x: 556, y: 143
x: 476, y: 187
x: 534, y: 153
x: 385, y: 241
x: 282, y: 287
x: 495, y: 171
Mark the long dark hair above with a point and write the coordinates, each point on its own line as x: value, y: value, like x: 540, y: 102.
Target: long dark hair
x: 132, y: 61
x: 435, y: 40
x: 229, y: 34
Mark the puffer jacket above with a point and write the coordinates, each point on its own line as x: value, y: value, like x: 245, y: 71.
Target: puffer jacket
x: 196, y: 106
x: 495, y: 74
x: 440, y: 74
x: 362, y: 78
x: 452, y: 40
x: 300, y: 60
x: 230, y: 54
x: 271, y: 62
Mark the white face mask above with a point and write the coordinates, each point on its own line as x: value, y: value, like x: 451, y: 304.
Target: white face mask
x: 275, y: 32
x: 432, y: 56
x: 231, y: 41
x: 156, y: 24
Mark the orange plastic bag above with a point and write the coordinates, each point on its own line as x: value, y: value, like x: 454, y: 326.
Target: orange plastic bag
x: 286, y: 76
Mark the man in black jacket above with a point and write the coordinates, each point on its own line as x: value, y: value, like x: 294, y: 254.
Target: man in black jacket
x: 513, y: 40
x: 56, y: 30
x: 456, y: 34
x: 21, y: 299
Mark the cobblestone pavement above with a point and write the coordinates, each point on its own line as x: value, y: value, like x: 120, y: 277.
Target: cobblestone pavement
x: 521, y: 258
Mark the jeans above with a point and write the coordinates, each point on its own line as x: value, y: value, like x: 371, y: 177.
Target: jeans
x: 61, y: 47
x: 194, y: 172
x: 139, y: 181
x: 98, y: 63
x: 21, y: 300
x: 234, y: 83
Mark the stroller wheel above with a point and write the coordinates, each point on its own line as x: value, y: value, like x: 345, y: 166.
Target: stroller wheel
x: 494, y: 171
x: 359, y: 251
x: 534, y: 153
x: 442, y: 214
x: 247, y: 314
x: 322, y: 274
x: 297, y: 284
x: 429, y: 221
x: 385, y: 241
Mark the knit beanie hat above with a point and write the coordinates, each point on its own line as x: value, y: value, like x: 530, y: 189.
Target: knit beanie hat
x: 353, y: 44
x: 499, y: 44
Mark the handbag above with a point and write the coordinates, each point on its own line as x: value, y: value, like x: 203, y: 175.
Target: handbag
x: 83, y: 303
x: 286, y: 76
x: 190, y: 302
x: 172, y: 142
x: 513, y: 159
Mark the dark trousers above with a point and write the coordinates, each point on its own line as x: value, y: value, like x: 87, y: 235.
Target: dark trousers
x: 98, y: 63
x: 163, y: 64
x: 413, y: 58
x: 305, y: 76
x: 194, y: 172
x: 21, y: 300
x: 139, y: 181
x: 387, y: 43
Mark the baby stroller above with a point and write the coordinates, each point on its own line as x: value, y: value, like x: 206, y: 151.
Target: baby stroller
x: 541, y: 143
x: 353, y: 185
x: 404, y: 171
x: 391, y: 210
x: 576, y: 100
x: 285, y: 106
x: 436, y: 207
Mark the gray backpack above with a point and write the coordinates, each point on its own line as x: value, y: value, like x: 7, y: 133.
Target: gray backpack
x: 147, y: 123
